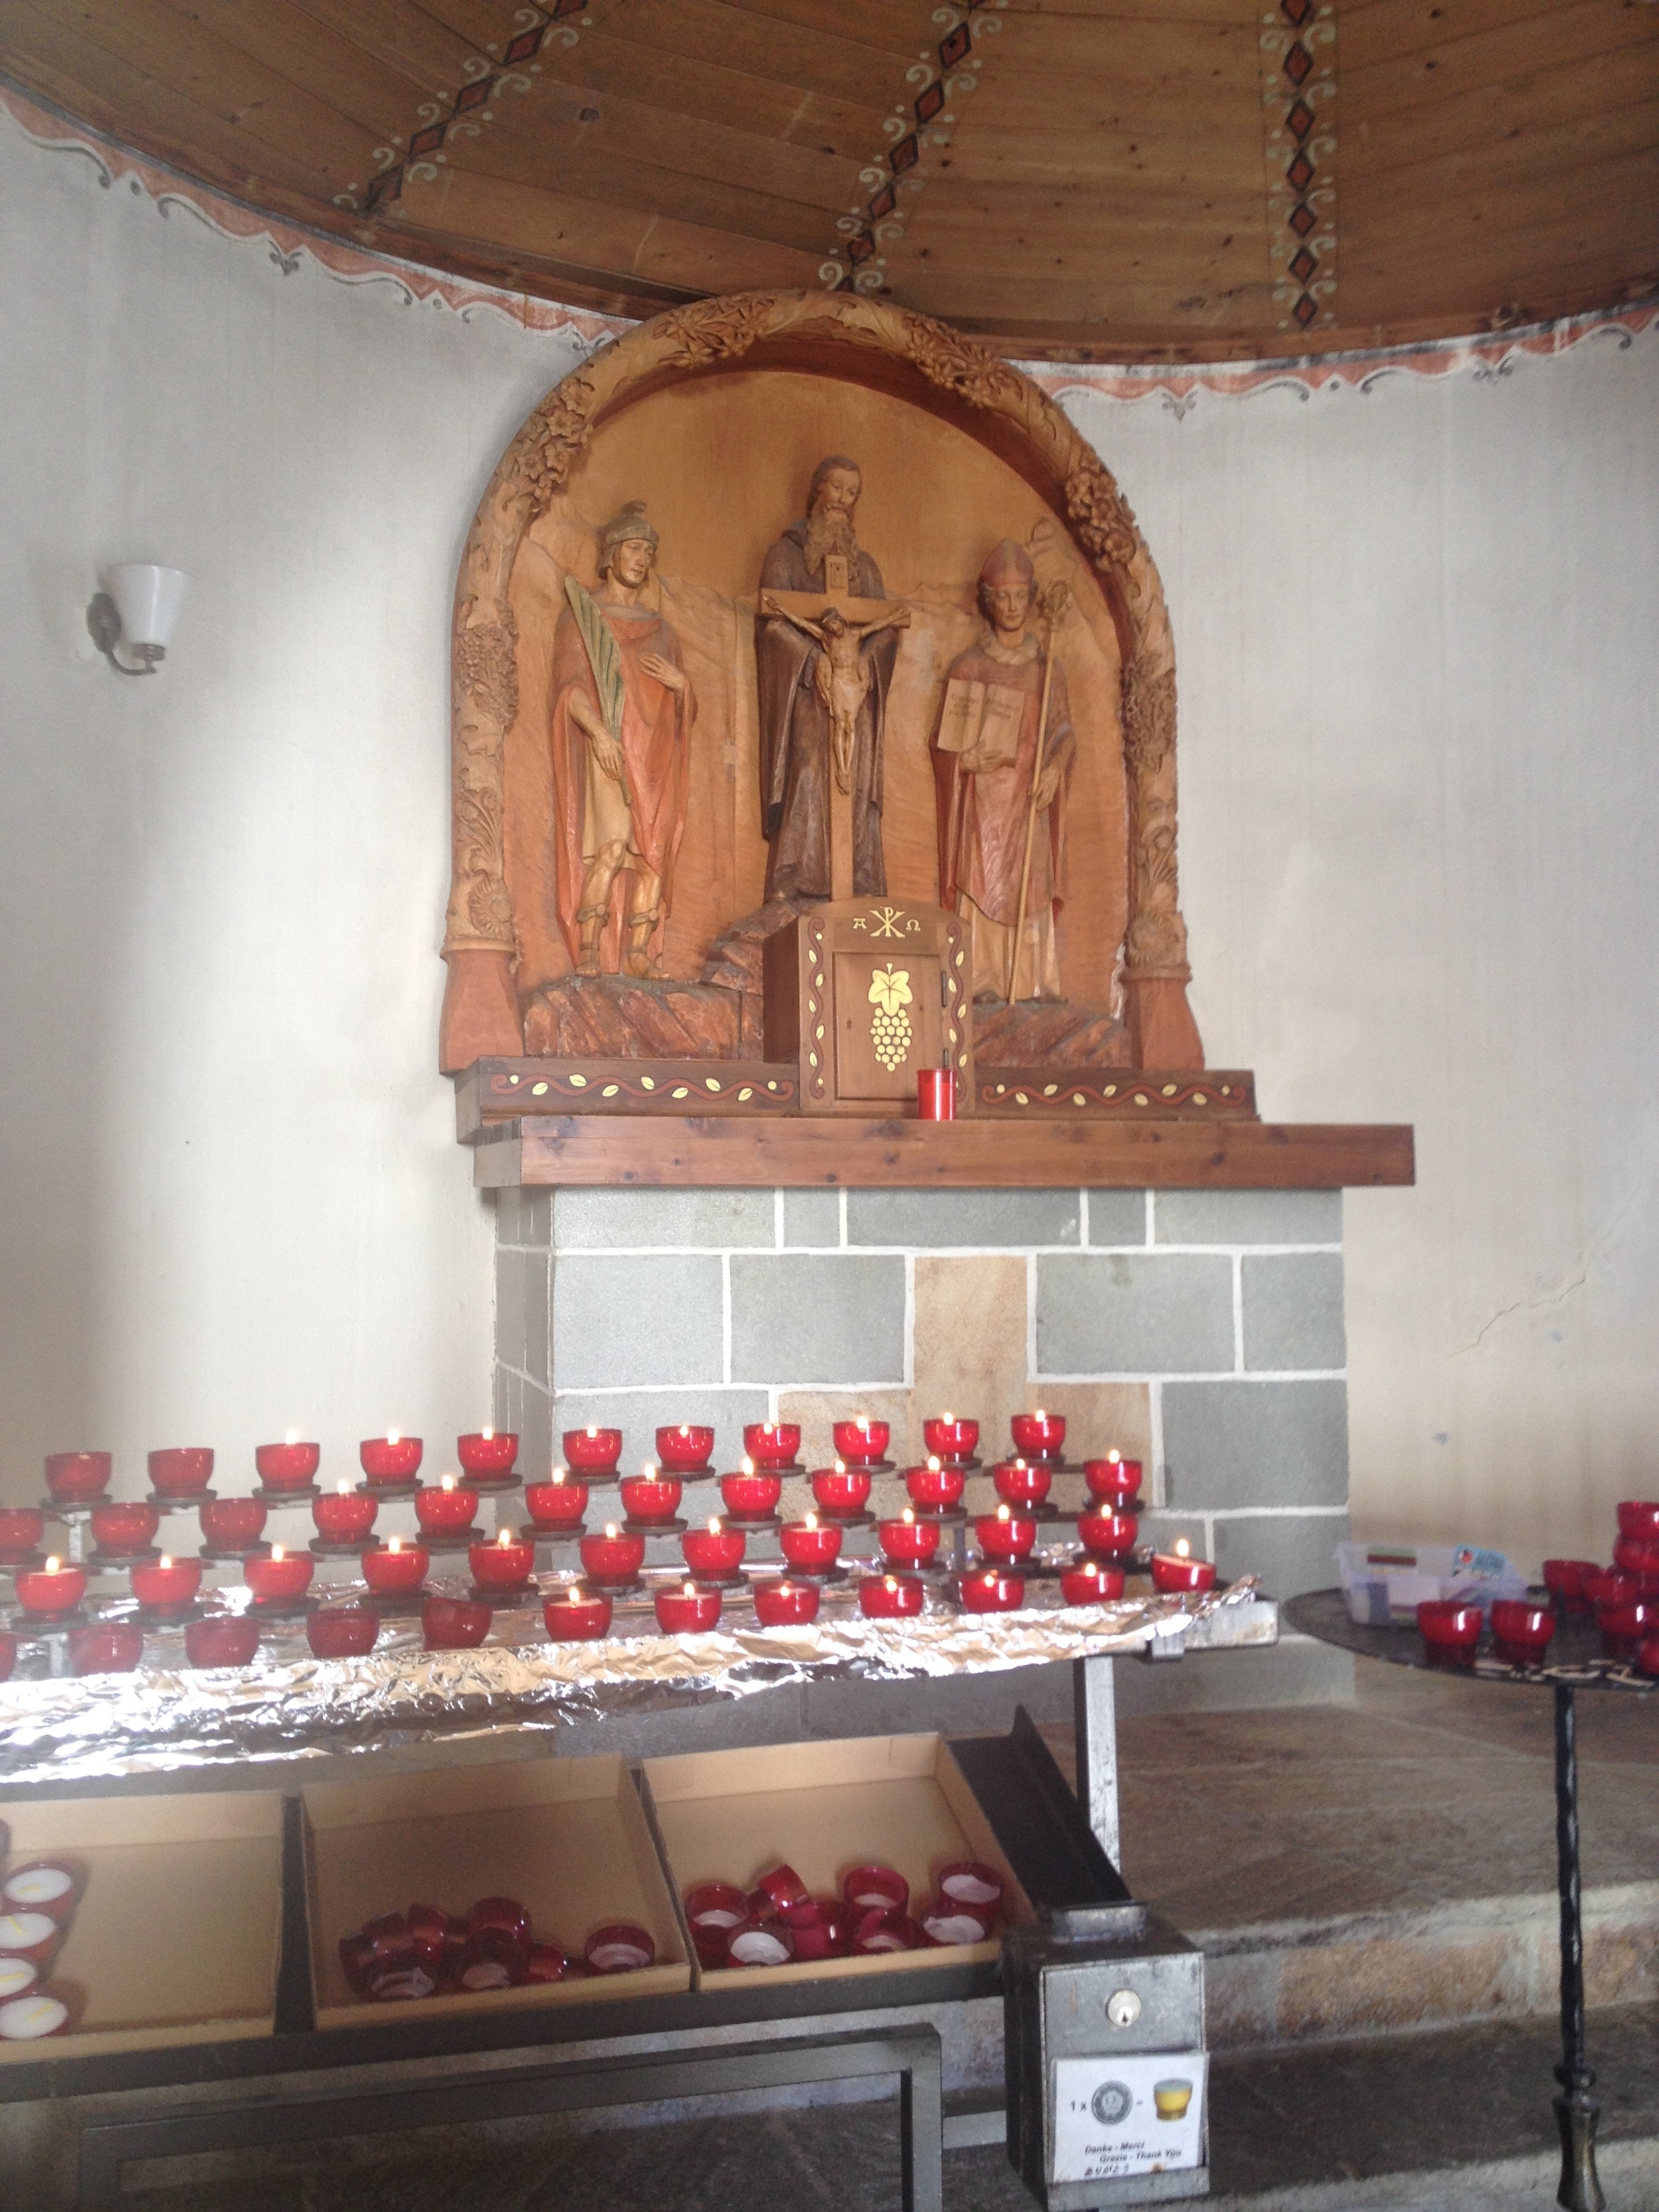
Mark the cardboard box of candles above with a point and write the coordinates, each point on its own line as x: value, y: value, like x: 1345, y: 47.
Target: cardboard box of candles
x: 138, y: 1923
x: 844, y: 1820
x: 536, y: 1883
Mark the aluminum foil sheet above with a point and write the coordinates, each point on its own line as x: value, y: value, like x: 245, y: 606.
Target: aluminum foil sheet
x: 165, y: 1717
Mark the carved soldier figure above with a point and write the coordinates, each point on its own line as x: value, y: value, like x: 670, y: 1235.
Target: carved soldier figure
x: 1001, y: 810
x: 621, y: 716
x: 820, y: 557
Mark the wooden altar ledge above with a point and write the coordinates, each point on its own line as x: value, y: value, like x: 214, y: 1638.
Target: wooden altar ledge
x: 804, y: 1152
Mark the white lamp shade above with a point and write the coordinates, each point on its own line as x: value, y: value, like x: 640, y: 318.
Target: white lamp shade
x: 147, y: 600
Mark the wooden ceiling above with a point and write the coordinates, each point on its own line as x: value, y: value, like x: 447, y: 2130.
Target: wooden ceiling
x: 1112, y: 180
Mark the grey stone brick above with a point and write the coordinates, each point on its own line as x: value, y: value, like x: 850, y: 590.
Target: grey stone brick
x: 509, y: 1307
x: 1291, y: 1553
x: 1163, y: 1529
x: 802, y: 1320
x: 622, y: 1320
x: 523, y: 1217
x: 1293, y: 1310
x: 1254, y: 1444
x: 811, y: 1217
x: 1117, y: 1217
x: 1126, y: 1315
x: 935, y: 1218
x: 535, y: 1427
x: 537, y: 1338
x: 712, y: 1220
x: 1247, y: 1217
x: 639, y: 1414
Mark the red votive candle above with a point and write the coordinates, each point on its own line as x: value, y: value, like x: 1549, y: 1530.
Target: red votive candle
x: 1091, y: 1583
x: 1624, y: 1627
x: 1040, y: 1435
x: 105, y: 1647
x: 908, y: 1542
x: 1521, y: 1632
x: 577, y: 1616
x: 454, y: 1624
x: 772, y: 1444
x: 613, y: 1558
x: 556, y: 1504
x: 1180, y: 1570
x: 714, y: 1549
x: 124, y: 1527
x: 687, y: 1610
x: 713, y: 1910
x: 487, y: 1451
x: 77, y: 1478
x: 289, y: 1465
x: 48, y: 1592
x: 651, y: 1499
x: 1639, y: 1518
x: 990, y: 1590
x: 750, y: 1494
x: 1610, y: 1586
x: 342, y: 1631
x: 861, y: 1441
x: 1023, y: 1481
x: 946, y: 1438
x: 841, y: 1489
x: 1004, y: 1535
x: 506, y: 1564
x: 936, y: 1094
x: 784, y: 1604
x: 231, y: 1524
x: 686, y: 1449
x: 592, y: 1452
x: 1114, y: 1481
x: 181, y: 1471
x: 222, y: 1639
x: 21, y: 1527
x: 396, y: 1567
x: 936, y: 1487
x: 277, y: 1577
x: 445, y: 1507
x: 1564, y: 1581
x: 166, y: 1583
x: 811, y: 1544
x: 390, y: 1458
x: 1450, y: 1631
x: 885, y: 1931
x: 876, y: 1889
x: 344, y: 1516
x: 1637, y: 1555
x: 890, y: 1597
x: 1107, y: 1536
x: 619, y: 1948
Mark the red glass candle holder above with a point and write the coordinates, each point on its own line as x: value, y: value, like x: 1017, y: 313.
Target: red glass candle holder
x: 49, y: 1592
x: 1637, y: 1555
x: 277, y: 1577
x: 1114, y: 1480
x: 577, y: 1616
x: 287, y: 1466
x: 810, y: 1545
x: 618, y: 1948
x: 876, y: 1889
x: 772, y: 1444
x: 454, y: 1624
x: 592, y: 1452
x: 1107, y: 1536
x: 342, y: 1631
x: 712, y: 1911
x: 1450, y: 1631
x: 685, y: 1450
x: 105, y: 1647
x: 1023, y: 1481
x: 936, y: 1487
x: 979, y: 1889
x: 716, y: 1550
x: 945, y: 1924
x: 395, y: 1572
x: 1564, y: 1581
x: 878, y: 1931
x: 771, y: 1946
x: 1039, y: 1435
x: 651, y: 1499
x: 1639, y: 1517
x: 124, y: 1526
x: 841, y: 1489
x: 506, y: 1564
x: 688, y: 1609
x: 78, y: 1478
x: 487, y: 1451
x: 166, y: 1585
x: 755, y: 1496
x: 1647, y: 1655
x: 231, y: 1524
x: 1610, y: 1586
x: 936, y: 1094
x: 444, y: 1508
x: 1182, y: 1570
x: 390, y: 1458
x: 344, y: 1516
x: 1521, y: 1632
x: 556, y: 1505
x: 948, y: 1439
x: 1626, y: 1627
x: 180, y: 1471
x: 1092, y: 1583
x: 222, y: 1639
x: 785, y: 1604
x: 890, y: 1597
x: 908, y: 1542
x: 1004, y: 1535
x: 614, y: 1558
x: 989, y: 1589
x: 21, y: 1530
x: 862, y: 1442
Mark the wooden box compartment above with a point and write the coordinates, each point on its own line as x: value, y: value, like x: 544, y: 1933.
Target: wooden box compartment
x: 566, y: 1837
x: 176, y: 1936
x: 824, y: 1808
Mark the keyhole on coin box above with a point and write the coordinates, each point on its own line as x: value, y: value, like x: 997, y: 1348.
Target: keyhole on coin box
x: 1122, y: 2008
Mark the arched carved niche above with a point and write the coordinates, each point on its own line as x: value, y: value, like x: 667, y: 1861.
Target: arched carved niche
x: 494, y: 951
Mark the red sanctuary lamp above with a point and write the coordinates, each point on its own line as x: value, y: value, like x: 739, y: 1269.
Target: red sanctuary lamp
x: 277, y: 1577
x: 556, y: 1507
x: 863, y: 1442
x: 576, y: 1615
x: 890, y: 1597
x: 485, y: 1453
x: 166, y: 1585
x: 290, y: 1465
x: 937, y: 1486
x: 810, y: 1546
x: 502, y: 1568
x: 47, y: 1593
x: 908, y: 1543
x: 772, y: 1444
x: 715, y: 1551
x: 614, y: 1558
x: 182, y: 1471
x: 593, y: 1451
x: 783, y: 1603
x: 345, y: 1515
x: 446, y: 1507
x: 1040, y: 1435
x: 949, y: 1438
x: 1004, y: 1534
x: 396, y: 1569
x: 752, y: 1494
x: 689, y: 1610
x: 393, y: 1457
x: 841, y: 1491
x: 685, y: 1450
x: 651, y: 1500
x: 1179, y: 1571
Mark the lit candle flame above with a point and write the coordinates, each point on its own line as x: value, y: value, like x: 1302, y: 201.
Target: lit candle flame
x: 344, y: 1489
x: 592, y: 1430
x: 611, y: 1531
x: 863, y: 1422
x: 290, y: 1436
x: 932, y: 1463
x: 575, y: 1593
x: 488, y: 1434
x: 690, y: 1590
x: 1182, y: 1548
x: 811, y: 1520
x: 277, y: 1554
x: 54, y: 1565
x: 947, y: 1415
x: 1019, y: 1465
x: 558, y: 1474
x: 684, y: 1431
x: 648, y: 1471
x: 990, y: 1580
x: 889, y: 1582
x: 1114, y: 1458
x: 767, y: 1429
x: 841, y: 1467
x: 1002, y: 1513
x: 1041, y: 1415
x: 748, y: 1466
x: 909, y: 1518
x: 448, y: 1483
x: 165, y: 1564
x: 392, y: 1436
x: 713, y: 1524
x: 505, y: 1538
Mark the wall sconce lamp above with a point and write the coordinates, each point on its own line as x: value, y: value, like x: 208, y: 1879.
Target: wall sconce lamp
x: 141, y: 607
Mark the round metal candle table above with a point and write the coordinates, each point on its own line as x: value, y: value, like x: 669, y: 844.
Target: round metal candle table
x: 1573, y: 1661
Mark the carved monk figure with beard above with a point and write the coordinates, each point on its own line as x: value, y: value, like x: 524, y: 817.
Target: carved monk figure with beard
x: 820, y: 554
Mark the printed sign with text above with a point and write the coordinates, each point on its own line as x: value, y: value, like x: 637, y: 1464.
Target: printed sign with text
x: 1124, y: 2116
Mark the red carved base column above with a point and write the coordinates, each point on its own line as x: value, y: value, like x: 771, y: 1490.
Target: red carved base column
x: 1160, y: 1023
x: 481, y: 1009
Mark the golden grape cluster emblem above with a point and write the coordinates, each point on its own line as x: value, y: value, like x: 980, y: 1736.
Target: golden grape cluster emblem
x: 890, y: 1025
